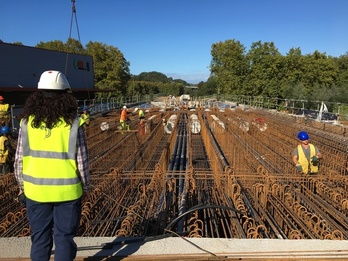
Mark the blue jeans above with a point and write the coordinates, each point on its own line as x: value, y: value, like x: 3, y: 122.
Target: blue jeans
x: 64, y: 217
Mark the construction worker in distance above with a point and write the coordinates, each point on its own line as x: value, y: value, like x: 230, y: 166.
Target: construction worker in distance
x: 141, y: 114
x: 85, y: 117
x: 124, y: 119
x: 306, y: 156
x: 4, y: 112
x: 6, y: 151
x: 52, y: 167
x: 142, y: 126
x: 142, y: 122
x: 136, y: 110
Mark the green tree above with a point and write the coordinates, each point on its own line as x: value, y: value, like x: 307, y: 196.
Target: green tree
x: 229, y: 65
x: 155, y: 83
x: 265, y: 72
x: 153, y: 77
x: 56, y: 45
x: 172, y: 88
x: 209, y: 87
x: 111, y: 69
x: 320, y: 71
x: 293, y: 70
x: 342, y: 63
x: 74, y: 46
x: 71, y: 46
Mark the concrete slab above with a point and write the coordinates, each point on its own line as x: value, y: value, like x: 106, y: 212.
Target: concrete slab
x: 242, y: 249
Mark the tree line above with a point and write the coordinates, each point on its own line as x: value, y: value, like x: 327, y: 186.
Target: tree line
x: 260, y: 71
x: 264, y: 71
x: 112, y: 74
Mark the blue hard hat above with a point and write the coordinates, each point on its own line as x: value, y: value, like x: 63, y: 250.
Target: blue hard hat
x: 84, y: 108
x: 5, y: 130
x: 302, y: 135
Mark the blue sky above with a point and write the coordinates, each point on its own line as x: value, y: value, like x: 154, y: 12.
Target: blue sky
x: 175, y: 37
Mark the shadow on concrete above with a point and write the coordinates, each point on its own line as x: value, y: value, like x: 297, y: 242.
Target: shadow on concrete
x: 114, y: 250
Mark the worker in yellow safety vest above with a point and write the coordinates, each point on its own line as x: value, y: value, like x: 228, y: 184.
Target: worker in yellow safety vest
x: 51, y: 167
x: 6, y: 151
x: 4, y: 112
x: 141, y: 113
x: 306, y: 156
x: 85, y: 117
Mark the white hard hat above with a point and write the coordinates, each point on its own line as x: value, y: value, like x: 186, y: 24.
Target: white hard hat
x: 124, y: 107
x: 136, y: 109
x: 53, y: 80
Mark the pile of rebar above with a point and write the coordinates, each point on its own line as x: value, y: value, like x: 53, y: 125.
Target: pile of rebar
x: 215, y: 174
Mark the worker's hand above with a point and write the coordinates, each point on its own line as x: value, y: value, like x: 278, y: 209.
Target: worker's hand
x: 315, y: 160
x: 299, y: 168
x: 21, y: 198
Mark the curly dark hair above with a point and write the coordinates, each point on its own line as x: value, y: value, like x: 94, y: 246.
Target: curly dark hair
x: 49, y: 108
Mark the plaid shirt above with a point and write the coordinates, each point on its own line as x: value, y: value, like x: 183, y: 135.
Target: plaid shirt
x: 82, y: 161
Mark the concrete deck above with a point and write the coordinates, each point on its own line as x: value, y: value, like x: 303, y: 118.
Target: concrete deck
x: 175, y: 248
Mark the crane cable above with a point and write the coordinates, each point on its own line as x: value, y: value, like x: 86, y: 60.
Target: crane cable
x: 73, y: 14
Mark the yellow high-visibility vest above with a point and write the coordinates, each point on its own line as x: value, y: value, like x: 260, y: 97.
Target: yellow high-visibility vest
x: 302, y: 159
x: 4, y: 110
x: 49, y: 162
x: 141, y: 113
x: 3, y: 150
x: 85, y: 118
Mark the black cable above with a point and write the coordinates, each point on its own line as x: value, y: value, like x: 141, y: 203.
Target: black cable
x: 198, y: 208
